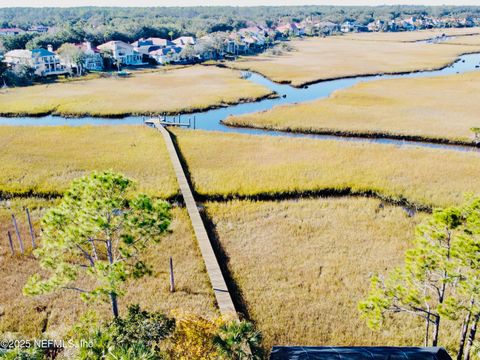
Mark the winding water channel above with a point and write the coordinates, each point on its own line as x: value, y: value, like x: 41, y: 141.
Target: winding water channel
x: 211, y: 120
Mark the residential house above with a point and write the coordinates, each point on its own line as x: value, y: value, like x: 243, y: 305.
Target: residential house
x: 153, y: 41
x: 254, y: 37
x: 235, y: 44
x: 184, y: 41
x: 377, y: 25
x: 123, y: 53
x: 347, y: 26
x: 290, y: 29
x: 11, y: 31
x: 165, y: 55
x: 92, y: 60
x: 255, y: 30
x: 392, y: 26
x: 408, y: 25
x: 150, y: 45
x: 44, y: 62
x: 467, y: 22
x: 39, y: 29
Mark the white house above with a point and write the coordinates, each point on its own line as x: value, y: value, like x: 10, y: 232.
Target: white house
x: 44, y: 62
x: 124, y: 53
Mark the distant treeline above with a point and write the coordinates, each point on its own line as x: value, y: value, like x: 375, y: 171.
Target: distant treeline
x: 101, y: 24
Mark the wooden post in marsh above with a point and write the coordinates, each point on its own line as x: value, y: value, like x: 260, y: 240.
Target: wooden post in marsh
x: 32, y: 233
x: 10, y: 242
x: 19, y: 237
x: 172, y: 279
x: 220, y: 289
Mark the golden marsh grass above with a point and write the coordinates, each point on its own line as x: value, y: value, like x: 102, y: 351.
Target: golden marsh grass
x: 302, y: 266
x: 465, y: 40
x: 433, y: 108
x: 233, y: 164
x: 55, y: 313
x: 153, y: 92
x: 318, y: 59
x: 408, y: 36
x: 45, y: 160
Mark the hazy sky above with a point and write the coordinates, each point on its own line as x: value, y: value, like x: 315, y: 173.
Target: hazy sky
x: 68, y: 3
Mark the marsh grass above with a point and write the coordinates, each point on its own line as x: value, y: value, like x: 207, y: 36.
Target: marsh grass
x: 232, y: 164
x: 302, y: 266
x: 44, y: 160
x: 144, y: 93
x: 465, y: 40
x: 409, y: 36
x: 55, y: 313
x: 319, y: 59
x: 429, y: 108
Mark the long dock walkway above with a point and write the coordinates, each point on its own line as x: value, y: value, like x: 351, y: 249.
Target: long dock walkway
x: 222, y: 295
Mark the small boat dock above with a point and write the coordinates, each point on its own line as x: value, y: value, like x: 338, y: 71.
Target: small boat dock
x: 173, y: 121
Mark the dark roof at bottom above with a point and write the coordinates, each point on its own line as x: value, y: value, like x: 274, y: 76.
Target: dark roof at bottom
x: 358, y: 353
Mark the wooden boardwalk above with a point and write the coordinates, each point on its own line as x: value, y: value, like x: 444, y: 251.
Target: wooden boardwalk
x: 222, y: 295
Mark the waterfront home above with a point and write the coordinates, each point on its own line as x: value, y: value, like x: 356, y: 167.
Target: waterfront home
x: 92, y: 60
x: 347, y: 27
x: 257, y: 31
x: 123, y: 53
x: 165, y: 55
x: 254, y: 37
x: 235, y: 44
x: 350, y: 26
x: 377, y: 25
x: 150, y: 48
x: 159, y: 43
x: 184, y: 41
x: 408, y: 25
x: 290, y: 29
x: 11, y: 31
x: 44, y: 62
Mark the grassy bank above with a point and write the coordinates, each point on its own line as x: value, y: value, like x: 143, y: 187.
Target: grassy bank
x: 319, y: 59
x: 465, y: 40
x: 56, y: 312
x: 231, y: 164
x: 430, y: 108
x: 144, y: 93
x: 44, y: 160
x: 303, y: 265
x: 409, y: 36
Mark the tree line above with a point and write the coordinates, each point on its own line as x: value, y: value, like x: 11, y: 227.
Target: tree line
x: 101, y: 24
